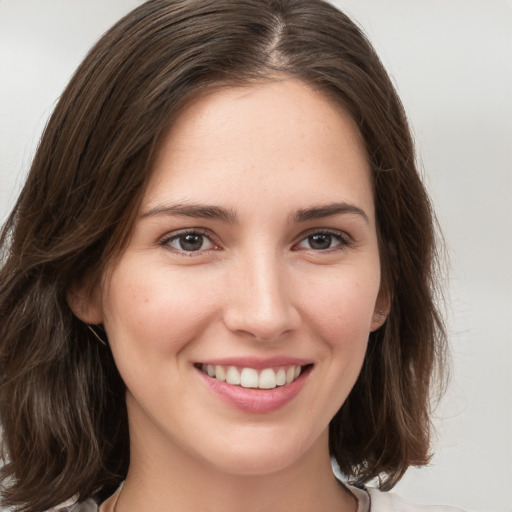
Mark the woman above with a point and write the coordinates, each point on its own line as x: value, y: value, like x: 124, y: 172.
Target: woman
x: 220, y: 273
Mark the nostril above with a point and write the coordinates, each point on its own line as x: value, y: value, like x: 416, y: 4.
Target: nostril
x: 260, y: 325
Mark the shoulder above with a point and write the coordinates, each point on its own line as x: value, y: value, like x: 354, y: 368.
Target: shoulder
x: 390, y: 502
x: 72, y: 506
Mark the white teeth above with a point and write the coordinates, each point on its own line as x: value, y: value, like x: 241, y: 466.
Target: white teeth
x: 220, y: 374
x: 280, y: 377
x: 268, y: 378
x: 233, y: 376
x: 249, y: 378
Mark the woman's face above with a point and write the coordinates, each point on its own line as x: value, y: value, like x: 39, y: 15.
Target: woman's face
x: 240, y: 311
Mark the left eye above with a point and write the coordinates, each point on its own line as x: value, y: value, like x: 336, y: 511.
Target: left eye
x: 322, y: 241
x: 190, y: 242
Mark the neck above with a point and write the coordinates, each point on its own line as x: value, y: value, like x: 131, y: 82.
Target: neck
x: 177, y: 481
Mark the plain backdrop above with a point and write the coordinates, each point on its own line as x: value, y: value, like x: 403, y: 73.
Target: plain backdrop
x: 451, y: 61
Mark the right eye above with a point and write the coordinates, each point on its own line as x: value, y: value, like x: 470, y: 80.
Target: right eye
x: 189, y: 241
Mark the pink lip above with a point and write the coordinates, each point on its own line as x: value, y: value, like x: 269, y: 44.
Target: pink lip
x: 256, y: 401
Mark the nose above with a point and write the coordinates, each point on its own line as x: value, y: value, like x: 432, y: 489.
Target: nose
x: 260, y: 299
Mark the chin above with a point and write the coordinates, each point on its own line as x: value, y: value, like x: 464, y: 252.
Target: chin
x: 255, y: 466
x: 260, y: 457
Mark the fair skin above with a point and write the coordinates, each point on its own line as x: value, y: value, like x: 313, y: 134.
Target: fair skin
x: 255, y: 249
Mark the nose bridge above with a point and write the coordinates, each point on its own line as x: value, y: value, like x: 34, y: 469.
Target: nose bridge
x: 260, y: 302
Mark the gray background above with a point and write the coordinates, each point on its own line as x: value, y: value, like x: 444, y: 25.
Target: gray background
x: 451, y: 61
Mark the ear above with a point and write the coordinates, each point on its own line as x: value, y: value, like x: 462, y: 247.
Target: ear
x: 85, y: 300
x: 381, y: 311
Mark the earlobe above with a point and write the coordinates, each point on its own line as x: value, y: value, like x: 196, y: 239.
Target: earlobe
x: 381, y: 311
x: 85, y: 302
x: 379, y: 317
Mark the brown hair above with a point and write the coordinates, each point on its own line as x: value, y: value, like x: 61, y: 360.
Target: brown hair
x: 61, y: 397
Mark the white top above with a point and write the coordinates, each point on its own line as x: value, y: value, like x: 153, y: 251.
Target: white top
x: 368, y: 499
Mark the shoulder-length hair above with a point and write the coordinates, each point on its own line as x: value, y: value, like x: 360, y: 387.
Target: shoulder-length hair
x: 61, y: 398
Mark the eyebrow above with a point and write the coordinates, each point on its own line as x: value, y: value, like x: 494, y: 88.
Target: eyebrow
x: 193, y: 210
x: 219, y: 213
x: 318, y: 212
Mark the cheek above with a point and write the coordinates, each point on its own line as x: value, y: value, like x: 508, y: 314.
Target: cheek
x: 154, y: 311
x: 338, y: 312
x: 342, y: 307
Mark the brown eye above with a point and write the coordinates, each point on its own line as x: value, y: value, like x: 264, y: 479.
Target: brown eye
x: 322, y: 241
x: 190, y: 242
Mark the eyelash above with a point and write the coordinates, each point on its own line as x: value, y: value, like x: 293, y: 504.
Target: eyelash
x: 343, y: 239
x: 166, y: 241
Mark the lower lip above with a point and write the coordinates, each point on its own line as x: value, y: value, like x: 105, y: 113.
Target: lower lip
x: 257, y: 401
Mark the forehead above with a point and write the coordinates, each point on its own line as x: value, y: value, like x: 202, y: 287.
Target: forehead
x: 277, y: 139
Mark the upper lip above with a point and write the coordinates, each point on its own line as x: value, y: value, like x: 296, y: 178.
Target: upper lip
x: 256, y: 362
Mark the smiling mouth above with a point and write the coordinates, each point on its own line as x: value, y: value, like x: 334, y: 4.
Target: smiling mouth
x: 266, y: 378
